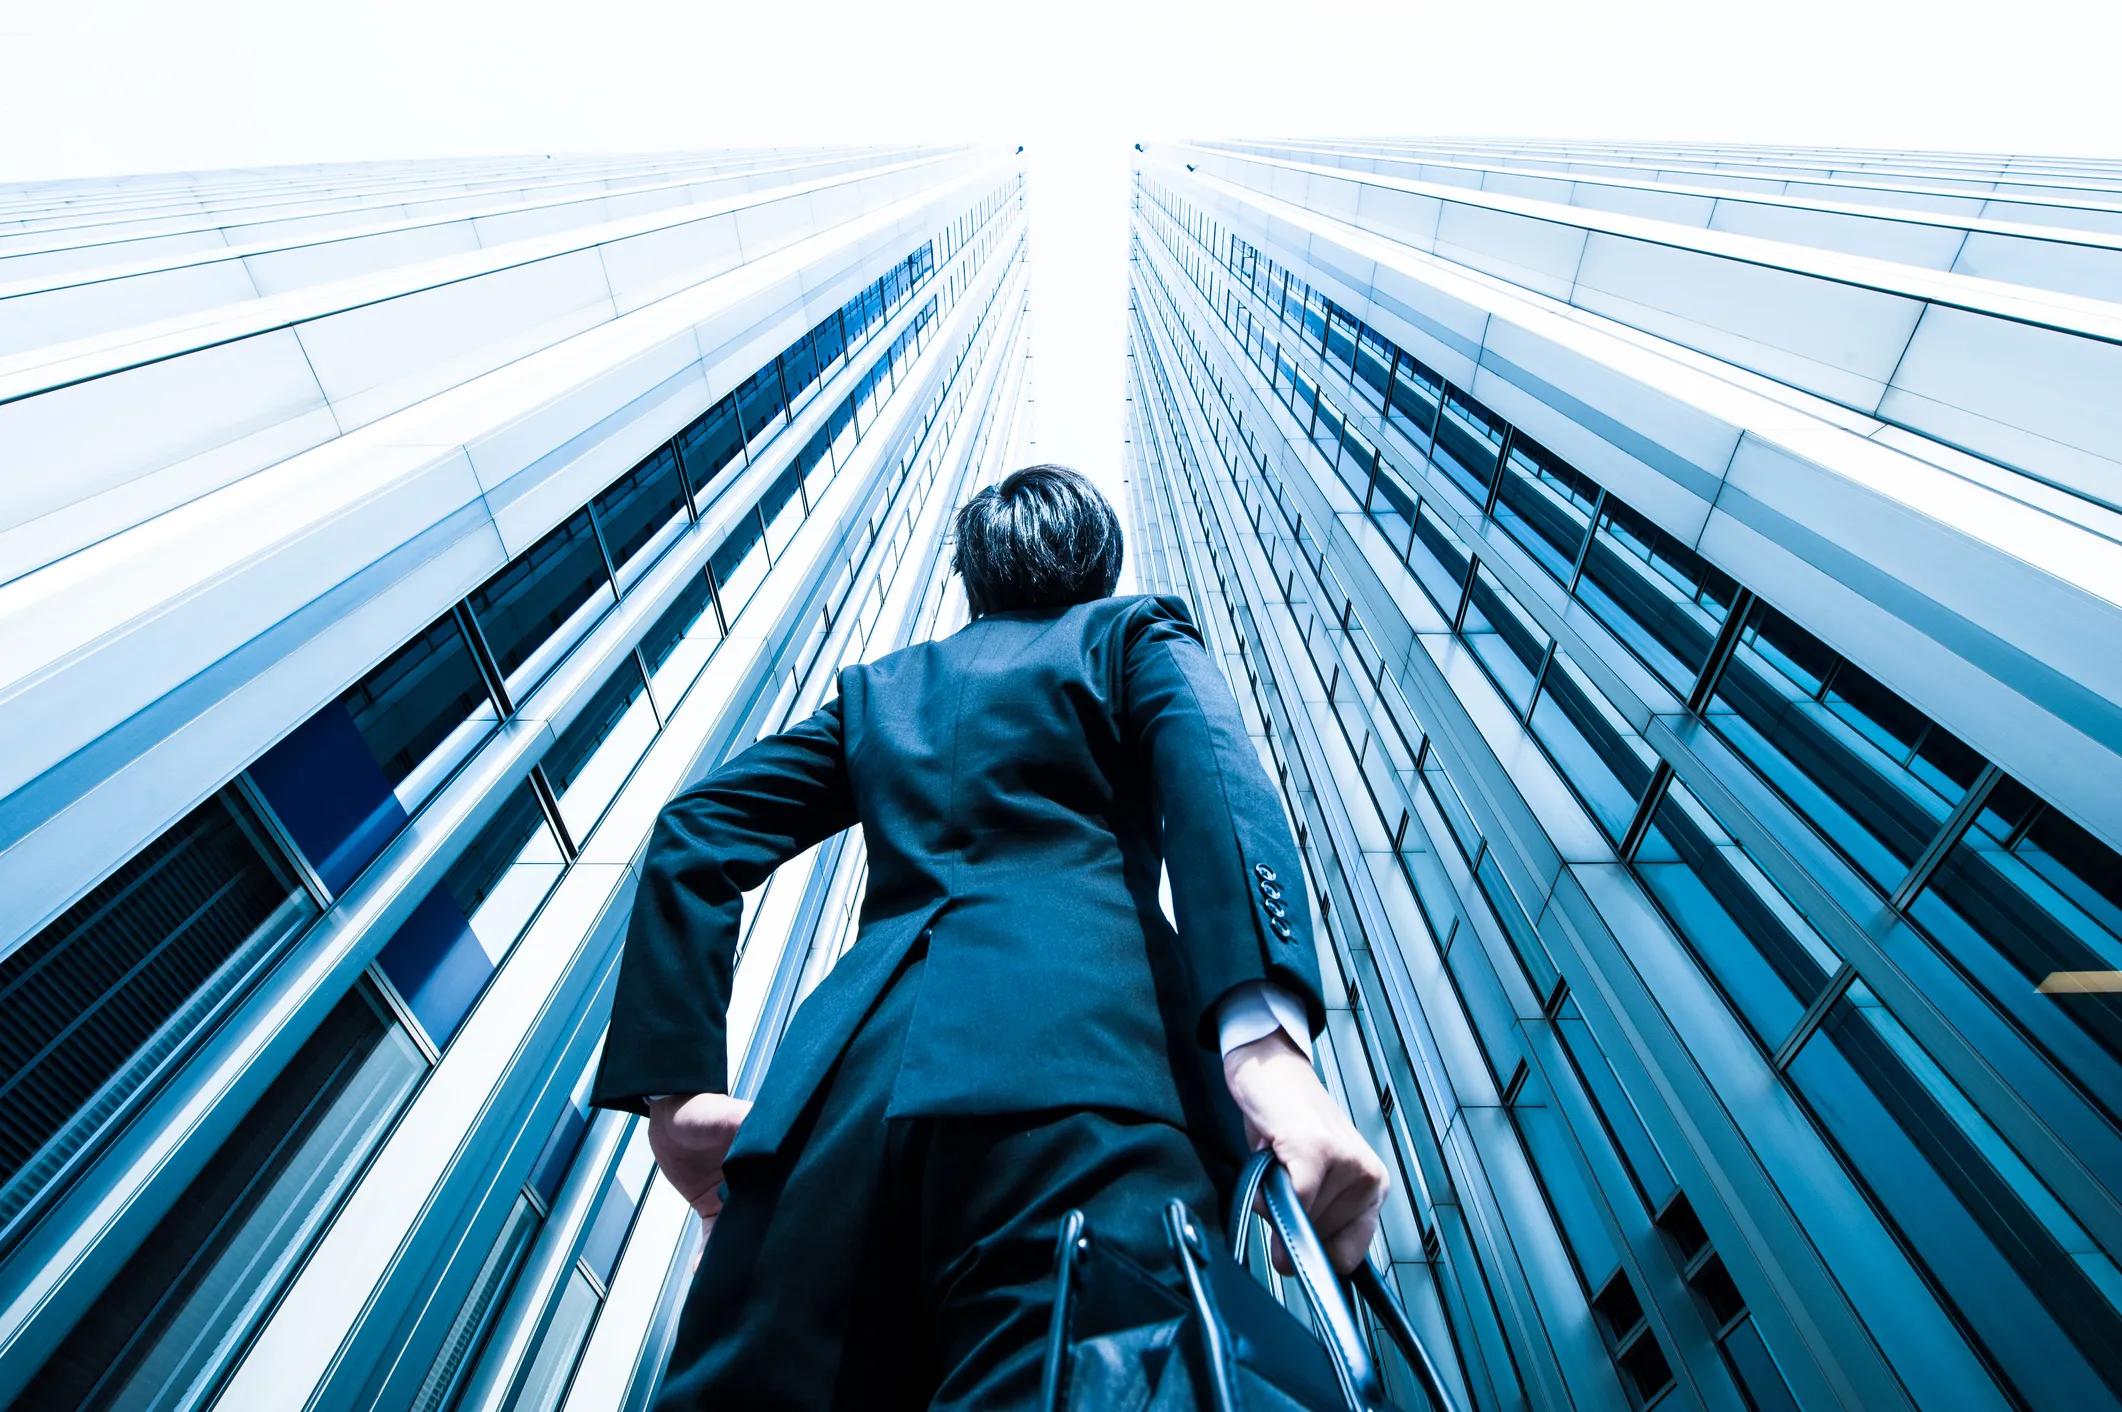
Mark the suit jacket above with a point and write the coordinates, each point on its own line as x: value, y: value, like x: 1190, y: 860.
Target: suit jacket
x: 1018, y: 784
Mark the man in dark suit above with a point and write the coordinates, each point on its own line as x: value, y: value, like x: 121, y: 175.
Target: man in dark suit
x: 1018, y: 1030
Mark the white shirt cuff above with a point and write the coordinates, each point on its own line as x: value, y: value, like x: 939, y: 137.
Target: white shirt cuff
x: 1257, y: 1009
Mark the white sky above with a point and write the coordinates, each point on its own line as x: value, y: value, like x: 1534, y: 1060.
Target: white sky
x: 92, y: 87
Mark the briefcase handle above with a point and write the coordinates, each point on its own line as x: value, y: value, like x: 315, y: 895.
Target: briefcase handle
x: 1263, y: 1175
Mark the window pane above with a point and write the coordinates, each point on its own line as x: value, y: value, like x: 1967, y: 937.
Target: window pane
x: 2026, y: 1280
x: 760, y: 404
x: 465, y: 1342
x: 827, y: 343
x: 599, y: 749
x: 1413, y: 407
x: 560, y: 1342
x: 1603, y: 760
x: 842, y: 429
x: 541, y: 605
x: 781, y: 506
x: 799, y: 369
x: 1746, y: 937
x: 1439, y: 560
x: 1468, y: 440
x: 179, y: 1311
x: 1837, y: 759
x: 345, y: 781
x: 1506, y: 641
x: 2037, y: 928
x: 739, y: 564
x: 709, y: 445
x: 1341, y: 340
x: 1374, y: 362
x: 1662, y: 601
x: 113, y: 992
x: 442, y: 956
x: 1544, y: 505
x: 642, y: 513
x: 677, y: 645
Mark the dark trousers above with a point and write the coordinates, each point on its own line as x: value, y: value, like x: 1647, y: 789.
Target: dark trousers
x: 910, y: 1263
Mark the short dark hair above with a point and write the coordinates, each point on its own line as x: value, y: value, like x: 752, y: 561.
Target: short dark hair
x: 1041, y: 538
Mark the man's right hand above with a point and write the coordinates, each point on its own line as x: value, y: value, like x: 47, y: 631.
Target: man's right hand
x: 1339, y: 1180
x: 689, y: 1137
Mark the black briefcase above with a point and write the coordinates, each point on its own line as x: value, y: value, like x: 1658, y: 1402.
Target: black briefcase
x: 1124, y: 1338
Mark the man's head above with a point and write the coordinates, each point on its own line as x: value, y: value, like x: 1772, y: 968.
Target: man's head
x: 1041, y: 538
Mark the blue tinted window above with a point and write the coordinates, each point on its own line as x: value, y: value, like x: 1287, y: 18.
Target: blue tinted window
x: 1545, y: 506
x: 1663, y: 601
x: 1768, y: 962
x: 642, y: 513
x: 173, y: 1317
x: 105, y: 998
x: 540, y: 606
x: 2026, y: 1281
x: 344, y: 782
x: 709, y: 445
x: 1849, y: 777
x: 441, y: 957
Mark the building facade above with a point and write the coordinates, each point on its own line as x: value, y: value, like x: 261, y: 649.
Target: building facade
x: 380, y: 546
x: 1678, y: 590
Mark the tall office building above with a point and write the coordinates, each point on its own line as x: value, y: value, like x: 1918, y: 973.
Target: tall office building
x: 1678, y: 590
x: 380, y: 546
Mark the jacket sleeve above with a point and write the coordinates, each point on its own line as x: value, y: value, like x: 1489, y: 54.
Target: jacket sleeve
x: 711, y: 844
x: 1237, y: 881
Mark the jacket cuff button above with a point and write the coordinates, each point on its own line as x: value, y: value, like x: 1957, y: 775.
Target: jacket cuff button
x: 1266, y: 874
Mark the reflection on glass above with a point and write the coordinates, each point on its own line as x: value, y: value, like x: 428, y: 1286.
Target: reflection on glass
x: 1767, y: 960
x: 543, y: 602
x: 599, y: 749
x: 739, y: 564
x: 1604, y: 761
x: 781, y: 506
x: 709, y: 445
x: 2028, y: 908
x: 1838, y: 756
x: 1545, y: 506
x: 2027, y: 1281
x: 642, y: 514
x: 174, y: 1318
x: 1659, y: 597
x: 1505, y: 640
x: 109, y: 996
x: 560, y: 1343
x: 679, y: 642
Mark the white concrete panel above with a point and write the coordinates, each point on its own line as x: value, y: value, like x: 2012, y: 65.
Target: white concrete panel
x: 1533, y: 186
x: 378, y: 358
x: 1463, y: 318
x: 1533, y: 254
x: 1930, y: 247
x: 1679, y: 207
x: 88, y: 460
x: 505, y: 226
x: 2093, y: 271
x: 621, y: 204
x: 300, y: 266
x: 79, y: 311
x: 2024, y: 395
x: 1405, y: 216
x: 49, y: 266
x: 1331, y: 195
x: 2105, y: 219
x: 1837, y: 340
x: 645, y: 267
x: 766, y: 227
